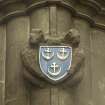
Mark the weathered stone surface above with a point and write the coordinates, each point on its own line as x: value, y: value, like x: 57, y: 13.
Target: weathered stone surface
x: 17, y: 17
x: 2, y: 63
x: 16, y: 38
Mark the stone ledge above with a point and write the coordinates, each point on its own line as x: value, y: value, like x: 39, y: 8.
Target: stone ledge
x: 27, y: 9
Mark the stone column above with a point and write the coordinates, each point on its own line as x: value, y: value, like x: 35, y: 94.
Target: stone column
x: 2, y: 62
x: 17, y: 34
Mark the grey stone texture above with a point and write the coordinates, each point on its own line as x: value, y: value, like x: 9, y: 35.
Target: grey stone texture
x: 55, y: 18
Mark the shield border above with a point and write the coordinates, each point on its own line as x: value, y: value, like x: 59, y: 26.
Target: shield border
x: 45, y: 74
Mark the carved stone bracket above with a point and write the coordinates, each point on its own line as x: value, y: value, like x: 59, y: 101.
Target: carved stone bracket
x: 30, y: 58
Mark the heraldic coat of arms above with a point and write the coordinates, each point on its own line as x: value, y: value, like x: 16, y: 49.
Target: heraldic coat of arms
x: 52, y: 59
x: 55, y: 61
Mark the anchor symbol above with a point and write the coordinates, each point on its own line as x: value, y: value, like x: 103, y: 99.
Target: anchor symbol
x: 62, y: 54
x: 48, y: 54
x: 54, y: 69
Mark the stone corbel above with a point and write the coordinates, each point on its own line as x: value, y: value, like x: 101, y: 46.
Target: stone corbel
x: 30, y: 58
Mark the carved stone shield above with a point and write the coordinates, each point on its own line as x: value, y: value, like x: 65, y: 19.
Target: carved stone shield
x: 55, y: 61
